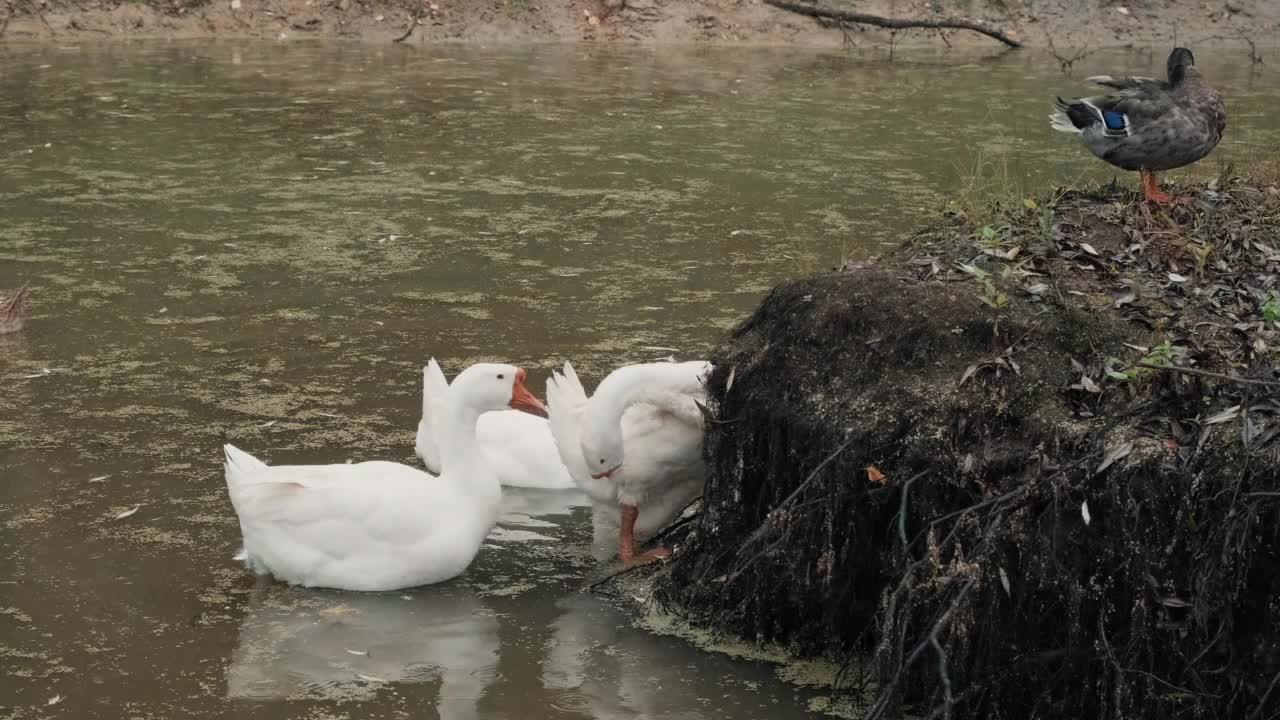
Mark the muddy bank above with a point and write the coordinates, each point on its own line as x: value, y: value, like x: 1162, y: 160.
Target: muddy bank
x: 1070, y: 23
x: 1026, y: 463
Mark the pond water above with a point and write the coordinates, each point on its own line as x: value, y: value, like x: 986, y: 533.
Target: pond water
x: 264, y: 243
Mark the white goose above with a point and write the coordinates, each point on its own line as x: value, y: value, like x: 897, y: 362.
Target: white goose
x: 517, y: 445
x: 644, y: 415
x: 379, y: 525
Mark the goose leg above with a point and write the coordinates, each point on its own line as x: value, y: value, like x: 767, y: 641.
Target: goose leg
x: 627, y: 539
x: 1151, y: 189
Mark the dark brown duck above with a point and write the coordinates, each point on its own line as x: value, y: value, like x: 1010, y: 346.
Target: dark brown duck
x: 1148, y: 125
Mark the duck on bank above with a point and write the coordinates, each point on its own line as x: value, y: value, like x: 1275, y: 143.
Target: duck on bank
x: 1148, y: 125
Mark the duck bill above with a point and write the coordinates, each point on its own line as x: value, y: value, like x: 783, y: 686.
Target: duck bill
x: 525, y: 401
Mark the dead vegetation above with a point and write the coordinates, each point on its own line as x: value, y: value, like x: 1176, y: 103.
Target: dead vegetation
x: 1019, y: 469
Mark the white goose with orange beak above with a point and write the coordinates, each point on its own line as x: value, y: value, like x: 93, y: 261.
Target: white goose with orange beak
x: 518, y: 445
x: 379, y: 525
x: 636, y: 446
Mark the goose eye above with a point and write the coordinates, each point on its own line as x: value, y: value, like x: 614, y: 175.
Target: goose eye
x: 601, y: 461
x: 499, y: 376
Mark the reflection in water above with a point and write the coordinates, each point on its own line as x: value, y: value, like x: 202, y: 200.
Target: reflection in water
x: 527, y: 514
x: 602, y: 666
x: 316, y: 645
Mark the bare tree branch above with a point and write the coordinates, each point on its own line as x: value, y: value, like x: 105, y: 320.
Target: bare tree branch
x: 893, y: 23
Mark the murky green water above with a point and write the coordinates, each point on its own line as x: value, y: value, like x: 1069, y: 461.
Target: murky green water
x: 265, y: 243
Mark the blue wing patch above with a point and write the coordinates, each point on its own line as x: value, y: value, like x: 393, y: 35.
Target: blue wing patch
x: 1115, y: 120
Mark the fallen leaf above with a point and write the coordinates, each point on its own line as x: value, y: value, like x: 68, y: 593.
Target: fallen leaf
x: 370, y: 678
x: 54, y: 700
x: 42, y: 373
x: 1124, y: 299
x: 1174, y: 602
x: 1004, y: 580
x: 1116, y: 453
x: 1031, y: 205
x: 1088, y: 248
x: 268, y: 423
x: 357, y: 652
x: 1084, y: 512
x: 1175, y: 277
x: 128, y: 512
x: 728, y: 384
x: 968, y: 373
x: 98, y: 479
x: 1089, y: 385
x: 1230, y: 413
x: 874, y: 475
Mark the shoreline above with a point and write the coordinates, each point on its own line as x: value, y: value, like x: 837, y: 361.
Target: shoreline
x: 1072, y: 26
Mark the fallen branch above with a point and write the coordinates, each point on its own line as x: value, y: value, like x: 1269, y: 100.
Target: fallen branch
x: 1214, y: 375
x: 413, y: 23
x: 893, y: 23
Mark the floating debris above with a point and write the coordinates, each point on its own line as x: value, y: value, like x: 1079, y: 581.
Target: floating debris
x: 128, y: 512
x: 13, y: 311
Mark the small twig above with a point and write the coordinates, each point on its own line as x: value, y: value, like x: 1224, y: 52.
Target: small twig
x: 1214, y: 375
x: 1257, y: 712
x: 617, y: 573
x: 666, y: 531
x: 893, y: 23
x: 1065, y: 63
x: 40, y: 14
x: 902, y: 507
x: 947, y: 698
x: 757, y: 534
x: 881, y: 706
x: 413, y: 24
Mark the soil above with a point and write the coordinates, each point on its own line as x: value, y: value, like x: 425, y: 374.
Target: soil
x: 1070, y: 23
x: 1027, y: 452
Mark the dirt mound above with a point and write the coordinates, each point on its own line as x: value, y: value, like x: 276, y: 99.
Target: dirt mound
x: 1026, y: 465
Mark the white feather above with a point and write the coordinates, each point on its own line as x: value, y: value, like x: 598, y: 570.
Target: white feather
x: 1059, y: 121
